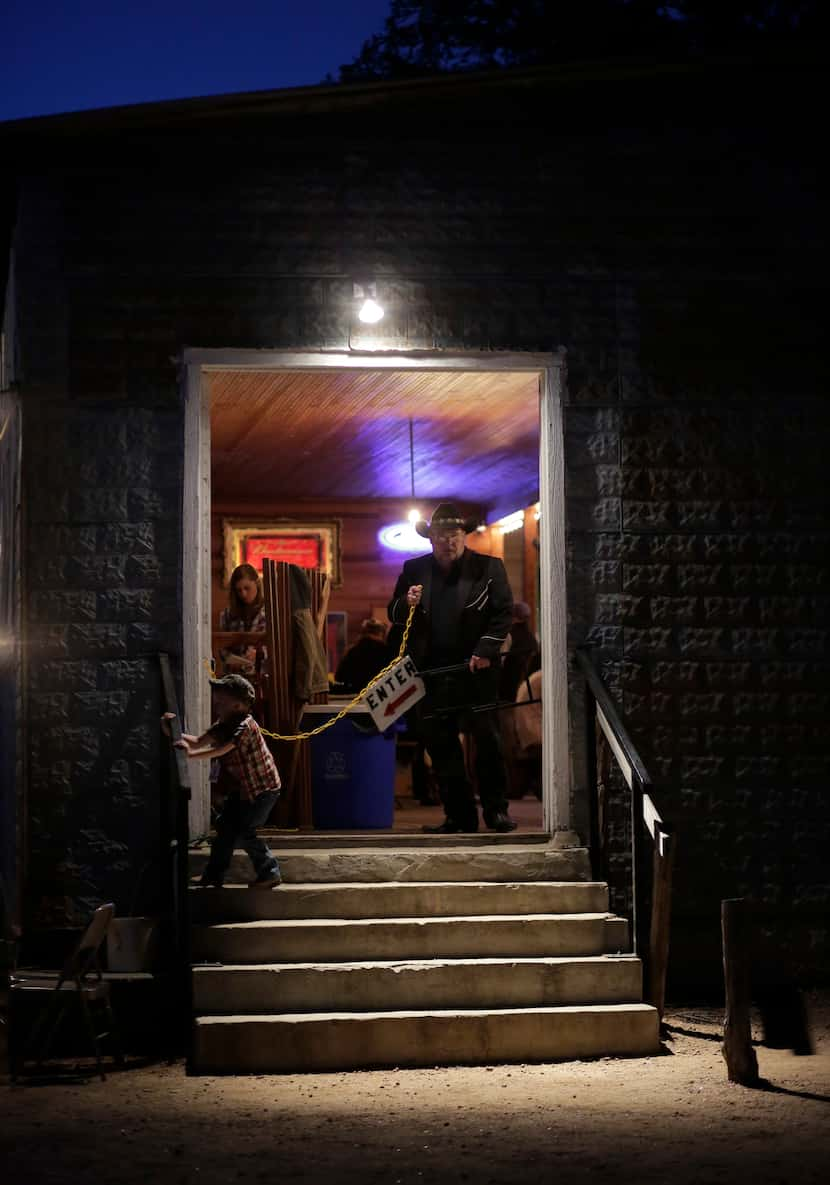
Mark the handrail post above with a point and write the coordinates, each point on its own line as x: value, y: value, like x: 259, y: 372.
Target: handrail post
x: 591, y: 779
x: 639, y: 877
x: 660, y: 919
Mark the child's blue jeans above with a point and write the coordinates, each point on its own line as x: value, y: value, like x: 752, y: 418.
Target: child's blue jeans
x: 237, y: 824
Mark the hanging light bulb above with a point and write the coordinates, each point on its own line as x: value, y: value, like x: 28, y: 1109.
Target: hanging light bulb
x: 403, y: 536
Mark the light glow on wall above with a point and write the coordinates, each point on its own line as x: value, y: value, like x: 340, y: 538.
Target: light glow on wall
x: 510, y: 522
x: 403, y: 537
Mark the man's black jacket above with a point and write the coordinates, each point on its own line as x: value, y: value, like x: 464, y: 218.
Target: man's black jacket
x: 485, y: 603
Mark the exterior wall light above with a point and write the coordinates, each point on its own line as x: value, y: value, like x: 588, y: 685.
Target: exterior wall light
x: 370, y: 311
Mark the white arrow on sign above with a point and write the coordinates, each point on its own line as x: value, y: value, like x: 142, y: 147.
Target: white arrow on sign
x: 395, y: 693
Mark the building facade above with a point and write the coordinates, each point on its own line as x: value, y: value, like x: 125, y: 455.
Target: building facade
x: 664, y: 228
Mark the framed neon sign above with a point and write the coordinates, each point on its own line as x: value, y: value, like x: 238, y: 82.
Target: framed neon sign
x: 306, y: 543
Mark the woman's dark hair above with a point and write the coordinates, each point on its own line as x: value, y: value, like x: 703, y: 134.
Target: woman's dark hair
x: 237, y: 606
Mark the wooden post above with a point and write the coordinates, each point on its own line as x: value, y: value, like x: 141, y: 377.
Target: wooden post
x: 660, y: 920
x: 741, y: 1062
x: 530, y: 564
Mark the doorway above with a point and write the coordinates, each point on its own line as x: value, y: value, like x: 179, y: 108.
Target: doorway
x: 303, y: 436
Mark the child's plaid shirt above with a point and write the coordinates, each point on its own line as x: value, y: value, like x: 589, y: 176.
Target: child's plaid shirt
x: 249, y: 766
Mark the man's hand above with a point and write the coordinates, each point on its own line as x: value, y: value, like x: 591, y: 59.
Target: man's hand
x: 479, y: 664
x: 165, y: 722
x: 413, y: 596
x: 182, y: 744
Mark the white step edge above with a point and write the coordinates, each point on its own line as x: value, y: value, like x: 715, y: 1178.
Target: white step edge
x: 326, y: 940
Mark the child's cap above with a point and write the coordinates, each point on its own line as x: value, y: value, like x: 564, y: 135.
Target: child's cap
x: 237, y: 686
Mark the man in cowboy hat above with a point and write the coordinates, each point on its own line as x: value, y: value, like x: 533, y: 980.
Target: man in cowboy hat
x: 463, y: 615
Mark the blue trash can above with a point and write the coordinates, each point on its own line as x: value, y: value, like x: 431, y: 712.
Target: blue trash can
x: 352, y: 771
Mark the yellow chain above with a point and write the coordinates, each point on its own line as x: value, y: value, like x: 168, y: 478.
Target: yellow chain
x: 303, y: 736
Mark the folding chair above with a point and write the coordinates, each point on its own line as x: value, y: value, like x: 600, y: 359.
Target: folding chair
x: 79, y: 985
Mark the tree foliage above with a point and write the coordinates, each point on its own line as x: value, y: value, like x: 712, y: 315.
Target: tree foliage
x: 433, y: 36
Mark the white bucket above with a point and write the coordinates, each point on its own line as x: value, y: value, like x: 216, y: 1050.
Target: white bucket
x: 131, y: 944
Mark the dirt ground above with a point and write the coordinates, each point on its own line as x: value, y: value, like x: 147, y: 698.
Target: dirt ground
x: 672, y: 1118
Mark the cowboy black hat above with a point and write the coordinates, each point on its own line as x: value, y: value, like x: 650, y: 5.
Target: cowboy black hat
x: 446, y: 517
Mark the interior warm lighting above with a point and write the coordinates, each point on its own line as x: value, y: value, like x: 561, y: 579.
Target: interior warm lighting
x: 510, y: 522
x: 414, y: 516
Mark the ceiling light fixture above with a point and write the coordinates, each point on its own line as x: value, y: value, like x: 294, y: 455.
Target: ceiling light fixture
x: 403, y: 536
x: 370, y: 312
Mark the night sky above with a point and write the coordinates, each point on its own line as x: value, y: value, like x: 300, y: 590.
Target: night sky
x: 60, y: 55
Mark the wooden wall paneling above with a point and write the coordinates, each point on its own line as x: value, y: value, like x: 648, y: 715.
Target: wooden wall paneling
x: 530, y: 584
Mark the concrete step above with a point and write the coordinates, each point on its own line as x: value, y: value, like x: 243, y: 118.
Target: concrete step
x: 348, y: 1041
x: 416, y: 984
x: 326, y: 940
x: 396, y: 899
x: 460, y: 862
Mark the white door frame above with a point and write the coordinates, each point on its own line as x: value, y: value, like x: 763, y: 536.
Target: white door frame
x: 196, y: 568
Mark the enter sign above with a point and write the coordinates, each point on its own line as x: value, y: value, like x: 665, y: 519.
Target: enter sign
x: 395, y: 693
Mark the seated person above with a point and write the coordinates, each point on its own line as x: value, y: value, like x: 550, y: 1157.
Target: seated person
x: 361, y: 662
x: 528, y: 733
x: 522, y: 657
x: 245, y: 613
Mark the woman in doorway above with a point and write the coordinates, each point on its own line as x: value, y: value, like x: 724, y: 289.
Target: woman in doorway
x: 245, y: 614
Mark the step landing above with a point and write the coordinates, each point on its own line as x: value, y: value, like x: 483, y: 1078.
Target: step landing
x: 493, y: 862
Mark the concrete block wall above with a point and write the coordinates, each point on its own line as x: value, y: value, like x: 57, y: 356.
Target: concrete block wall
x: 695, y: 406
x: 103, y: 600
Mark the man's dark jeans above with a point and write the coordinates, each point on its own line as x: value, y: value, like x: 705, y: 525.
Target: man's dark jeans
x: 445, y: 714
x: 237, y: 824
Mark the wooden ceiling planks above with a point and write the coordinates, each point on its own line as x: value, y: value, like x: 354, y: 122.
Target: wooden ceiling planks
x: 345, y: 433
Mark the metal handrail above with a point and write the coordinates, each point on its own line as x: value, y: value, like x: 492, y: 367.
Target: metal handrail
x: 650, y: 878
x: 178, y: 826
x: 603, y: 698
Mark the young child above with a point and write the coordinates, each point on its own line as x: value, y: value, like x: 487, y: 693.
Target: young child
x: 236, y: 741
